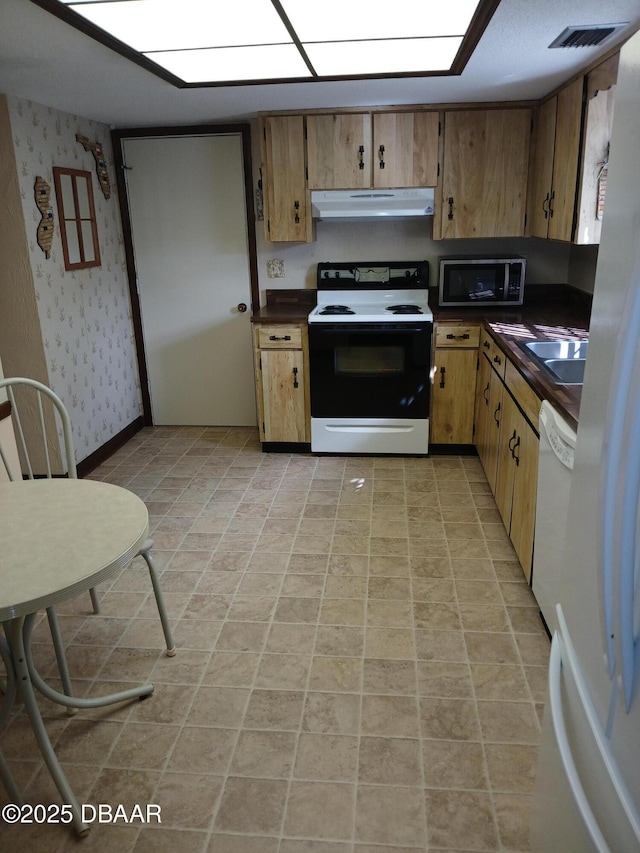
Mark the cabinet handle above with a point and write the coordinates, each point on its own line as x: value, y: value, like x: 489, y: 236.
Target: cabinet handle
x: 295, y: 377
x: 513, y: 451
x: 296, y: 208
x: 545, y: 206
x: 442, y: 373
x: 450, y: 203
x: 513, y: 438
x: 486, y: 344
x: 452, y: 337
x: 276, y: 338
x: 496, y: 414
x: 551, y: 198
x: 361, y: 157
x: 485, y: 393
x: 497, y: 359
x: 381, y: 156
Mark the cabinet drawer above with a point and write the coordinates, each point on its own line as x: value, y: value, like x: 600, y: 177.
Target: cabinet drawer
x: 523, y: 394
x: 493, y: 352
x: 279, y: 337
x: 457, y: 336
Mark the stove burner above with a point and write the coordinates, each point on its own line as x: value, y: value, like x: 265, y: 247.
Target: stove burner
x: 404, y: 309
x: 336, y: 309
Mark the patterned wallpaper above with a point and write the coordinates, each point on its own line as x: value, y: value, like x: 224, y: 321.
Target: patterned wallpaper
x: 85, y: 315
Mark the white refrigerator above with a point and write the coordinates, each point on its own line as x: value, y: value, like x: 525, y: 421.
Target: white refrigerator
x: 587, y: 793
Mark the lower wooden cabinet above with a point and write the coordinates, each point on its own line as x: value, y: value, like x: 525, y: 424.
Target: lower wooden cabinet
x: 452, y: 401
x: 282, y: 386
x: 508, y: 446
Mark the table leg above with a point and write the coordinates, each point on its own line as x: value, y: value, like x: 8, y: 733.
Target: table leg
x: 9, y: 697
x: 68, y: 700
x: 19, y: 656
x: 145, y: 551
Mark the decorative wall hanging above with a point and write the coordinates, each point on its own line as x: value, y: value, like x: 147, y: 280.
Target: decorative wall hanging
x: 44, y: 235
x: 101, y: 163
x: 77, y: 216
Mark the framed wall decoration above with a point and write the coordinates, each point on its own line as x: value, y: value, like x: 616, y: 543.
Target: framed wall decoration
x: 77, y: 218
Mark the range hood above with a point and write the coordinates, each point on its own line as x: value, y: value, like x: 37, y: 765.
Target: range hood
x: 371, y: 204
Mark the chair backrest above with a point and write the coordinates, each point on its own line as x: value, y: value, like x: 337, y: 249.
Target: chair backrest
x: 33, y: 415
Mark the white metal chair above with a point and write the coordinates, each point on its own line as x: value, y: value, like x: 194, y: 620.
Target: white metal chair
x: 33, y: 415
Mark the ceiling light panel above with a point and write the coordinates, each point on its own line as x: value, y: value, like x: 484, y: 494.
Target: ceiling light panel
x: 351, y: 20
x: 149, y: 25
x: 261, y: 62
x: 382, y: 57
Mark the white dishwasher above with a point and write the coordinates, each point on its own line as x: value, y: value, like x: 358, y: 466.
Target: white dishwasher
x: 557, y: 448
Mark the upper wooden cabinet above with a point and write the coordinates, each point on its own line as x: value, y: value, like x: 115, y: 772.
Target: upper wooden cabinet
x: 405, y: 149
x: 569, y: 150
x: 361, y: 150
x: 483, y: 185
x: 287, y: 215
x: 339, y: 151
x: 600, y: 97
x: 554, y: 173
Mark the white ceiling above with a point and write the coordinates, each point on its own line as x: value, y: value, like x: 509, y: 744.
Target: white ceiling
x: 47, y: 61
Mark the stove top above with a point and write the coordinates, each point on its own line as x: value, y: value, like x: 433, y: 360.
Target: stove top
x: 372, y: 293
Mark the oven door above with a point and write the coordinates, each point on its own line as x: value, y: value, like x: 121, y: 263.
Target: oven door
x: 370, y: 370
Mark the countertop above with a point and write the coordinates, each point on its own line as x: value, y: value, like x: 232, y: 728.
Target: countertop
x: 550, y: 313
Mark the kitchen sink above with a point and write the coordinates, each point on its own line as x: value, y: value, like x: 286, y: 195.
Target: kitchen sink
x: 558, y: 349
x: 569, y: 371
x: 564, y: 360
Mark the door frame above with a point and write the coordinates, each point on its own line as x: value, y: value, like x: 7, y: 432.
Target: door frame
x: 118, y: 137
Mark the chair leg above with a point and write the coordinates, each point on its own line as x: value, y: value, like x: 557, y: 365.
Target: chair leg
x: 61, y: 658
x: 9, y: 693
x: 95, y: 601
x: 168, y: 636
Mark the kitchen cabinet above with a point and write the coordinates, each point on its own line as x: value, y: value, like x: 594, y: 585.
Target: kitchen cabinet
x: 362, y: 151
x: 405, y: 149
x: 483, y: 185
x: 452, y: 399
x: 287, y: 205
x: 507, y: 443
x: 554, y: 171
x: 600, y: 99
x: 281, y: 355
x: 339, y: 151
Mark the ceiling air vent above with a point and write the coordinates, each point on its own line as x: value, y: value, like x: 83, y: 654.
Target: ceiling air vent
x: 589, y: 35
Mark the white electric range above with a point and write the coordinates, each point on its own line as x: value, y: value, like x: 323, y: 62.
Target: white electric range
x: 370, y: 358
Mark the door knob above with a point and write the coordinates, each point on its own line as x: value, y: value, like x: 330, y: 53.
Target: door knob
x: 242, y: 307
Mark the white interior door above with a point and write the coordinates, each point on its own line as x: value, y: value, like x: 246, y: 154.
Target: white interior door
x: 189, y: 230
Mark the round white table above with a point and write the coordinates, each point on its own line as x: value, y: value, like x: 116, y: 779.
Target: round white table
x: 59, y: 538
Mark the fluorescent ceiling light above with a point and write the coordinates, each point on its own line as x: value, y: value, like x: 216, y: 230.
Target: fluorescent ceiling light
x: 208, y: 42
x: 370, y: 57
x: 234, y: 63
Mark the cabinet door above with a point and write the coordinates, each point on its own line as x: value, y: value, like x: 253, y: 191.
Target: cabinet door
x: 287, y: 208
x: 283, y: 395
x: 453, y: 396
x: 496, y: 393
x: 506, y: 462
x: 525, y: 484
x: 565, y: 161
x: 405, y: 149
x: 542, y: 168
x: 339, y: 151
x: 483, y: 412
x: 484, y: 173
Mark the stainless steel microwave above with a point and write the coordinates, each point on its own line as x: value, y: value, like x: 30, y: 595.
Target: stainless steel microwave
x: 481, y: 281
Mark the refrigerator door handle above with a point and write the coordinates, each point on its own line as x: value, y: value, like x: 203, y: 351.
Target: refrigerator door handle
x: 559, y: 728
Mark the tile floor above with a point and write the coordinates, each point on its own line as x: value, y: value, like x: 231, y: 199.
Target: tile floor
x: 360, y: 669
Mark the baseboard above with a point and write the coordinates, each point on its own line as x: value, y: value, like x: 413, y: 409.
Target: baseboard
x: 286, y: 447
x: 452, y: 450
x: 103, y: 453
